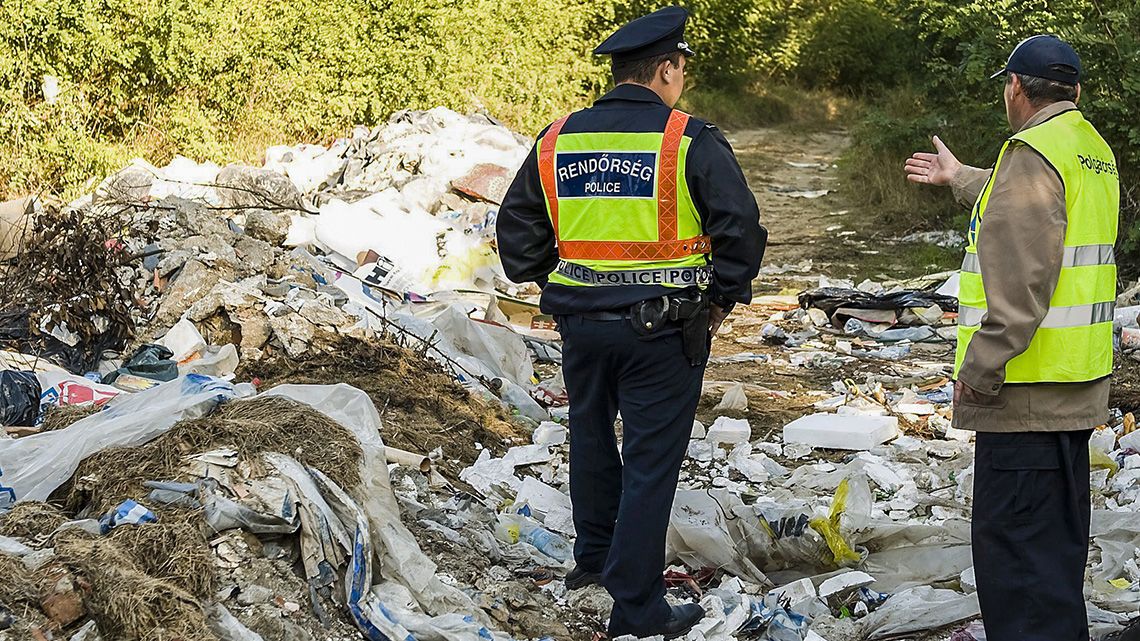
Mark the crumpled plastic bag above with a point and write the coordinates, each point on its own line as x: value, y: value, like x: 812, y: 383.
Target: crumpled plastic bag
x: 702, y: 533
x: 1099, y: 460
x: 19, y: 398
x: 919, y: 608
x: 734, y: 399
x: 829, y: 528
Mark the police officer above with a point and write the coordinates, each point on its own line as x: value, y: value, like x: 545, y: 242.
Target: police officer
x: 1034, y: 341
x: 636, y: 220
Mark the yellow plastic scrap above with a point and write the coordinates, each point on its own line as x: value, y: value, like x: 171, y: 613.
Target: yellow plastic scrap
x: 1123, y: 584
x: 829, y: 528
x: 1098, y: 460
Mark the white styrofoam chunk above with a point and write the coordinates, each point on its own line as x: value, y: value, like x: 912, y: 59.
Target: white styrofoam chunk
x: 844, y: 582
x: 729, y: 430
x: 842, y: 432
x: 796, y: 591
x: 1131, y: 441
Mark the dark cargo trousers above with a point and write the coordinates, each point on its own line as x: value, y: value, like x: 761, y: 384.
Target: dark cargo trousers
x: 622, y: 503
x: 1031, y: 534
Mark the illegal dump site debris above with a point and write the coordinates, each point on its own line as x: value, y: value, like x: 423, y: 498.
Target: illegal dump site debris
x: 301, y: 401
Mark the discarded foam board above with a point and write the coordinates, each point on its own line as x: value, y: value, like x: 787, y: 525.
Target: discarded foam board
x: 969, y: 584
x: 729, y: 430
x: 1130, y: 441
x: 842, y: 432
x: 795, y: 592
x: 844, y: 582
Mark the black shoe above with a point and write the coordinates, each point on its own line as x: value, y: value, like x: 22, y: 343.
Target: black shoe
x: 681, y: 619
x: 578, y: 578
x: 1130, y: 632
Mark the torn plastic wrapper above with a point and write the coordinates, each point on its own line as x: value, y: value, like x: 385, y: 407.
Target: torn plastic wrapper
x: 61, y: 389
x: 703, y: 531
x: 129, y: 512
x: 323, y: 538
x: 369, y: 614
x: 401, y: 558
x: 919, y: 608
x: 828, y: 527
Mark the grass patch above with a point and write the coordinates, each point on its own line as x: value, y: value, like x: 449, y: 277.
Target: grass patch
x: 766, y: 103
x: 888, y: 130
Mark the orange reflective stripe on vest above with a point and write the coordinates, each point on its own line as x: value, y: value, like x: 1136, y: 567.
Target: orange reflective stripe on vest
x: 667, y: 246
x: 546, y: 168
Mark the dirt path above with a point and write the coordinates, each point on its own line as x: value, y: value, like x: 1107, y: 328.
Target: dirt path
x: 811, y: 213
x: 797, y: 187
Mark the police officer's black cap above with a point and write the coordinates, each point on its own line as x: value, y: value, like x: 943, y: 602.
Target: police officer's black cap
x: 660, y: 32
x: 1044, y: 56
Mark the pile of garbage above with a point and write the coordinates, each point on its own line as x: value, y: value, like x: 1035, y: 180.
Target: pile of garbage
x: 302, y: 401
x: 182, y: 457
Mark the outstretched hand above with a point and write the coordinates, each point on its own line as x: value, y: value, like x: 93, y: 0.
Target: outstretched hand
x: 932, y: 169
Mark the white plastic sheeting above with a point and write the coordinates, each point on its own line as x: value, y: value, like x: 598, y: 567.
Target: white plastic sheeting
x: 919, y: 608
x: 31, y: 468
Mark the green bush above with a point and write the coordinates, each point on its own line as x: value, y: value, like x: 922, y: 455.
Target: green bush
x: 959, y: 45
x: 853, y: 45
x: 222, y: 80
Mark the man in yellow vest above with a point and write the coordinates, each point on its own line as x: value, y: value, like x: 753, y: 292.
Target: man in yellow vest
x: 638, y: 224
x: 1038, y: 286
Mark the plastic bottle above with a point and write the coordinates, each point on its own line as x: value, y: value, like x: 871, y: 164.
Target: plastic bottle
x: 513, y: 528
x: 518, y: 399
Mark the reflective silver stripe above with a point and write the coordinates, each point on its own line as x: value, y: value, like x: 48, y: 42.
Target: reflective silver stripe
x: 664, y: 276
x: 1086, y: 255
x: 970, y: 264
x: 1079, y: 315
x: 1082, y: 256
x: 1057, y: 317
x: 970, y: 316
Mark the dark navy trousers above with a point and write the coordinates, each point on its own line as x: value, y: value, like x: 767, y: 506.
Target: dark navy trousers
x: 622, y: 502
x: 1031, y: 534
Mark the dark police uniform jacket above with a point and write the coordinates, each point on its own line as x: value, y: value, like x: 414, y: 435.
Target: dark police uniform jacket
x: 726, y: 205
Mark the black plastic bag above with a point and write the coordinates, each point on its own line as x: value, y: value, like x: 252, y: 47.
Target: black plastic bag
x: 19, y: 398
x: 149, y: 361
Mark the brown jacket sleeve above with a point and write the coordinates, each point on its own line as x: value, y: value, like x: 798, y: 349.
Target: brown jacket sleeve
x: 968, y: 183
x: 1021, y: 246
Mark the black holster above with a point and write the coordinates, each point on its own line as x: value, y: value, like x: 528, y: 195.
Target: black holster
x: 691, y: 309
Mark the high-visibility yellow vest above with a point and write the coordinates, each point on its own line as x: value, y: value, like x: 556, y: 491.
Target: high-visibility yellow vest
x: 1074, y: 341
x: 621, y: 209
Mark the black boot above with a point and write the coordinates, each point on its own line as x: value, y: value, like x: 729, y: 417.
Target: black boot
x: 1130, y: 632
x: 579, y: 578
x: 681, y: 619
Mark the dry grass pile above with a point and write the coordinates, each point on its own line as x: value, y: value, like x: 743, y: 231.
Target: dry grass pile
x: 139, y: 582
x: 250, y: 427
x: 18, y: 586
x: 30, y: 520
x: 421, y: 405
x: 59, y: 417
x: 147, y: 582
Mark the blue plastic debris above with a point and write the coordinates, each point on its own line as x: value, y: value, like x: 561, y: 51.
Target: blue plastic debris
x: 129, y: 512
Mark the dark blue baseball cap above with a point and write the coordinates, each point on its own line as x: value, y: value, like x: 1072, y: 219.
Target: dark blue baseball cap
x: 660, y: 32
x: 1044, y: 56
